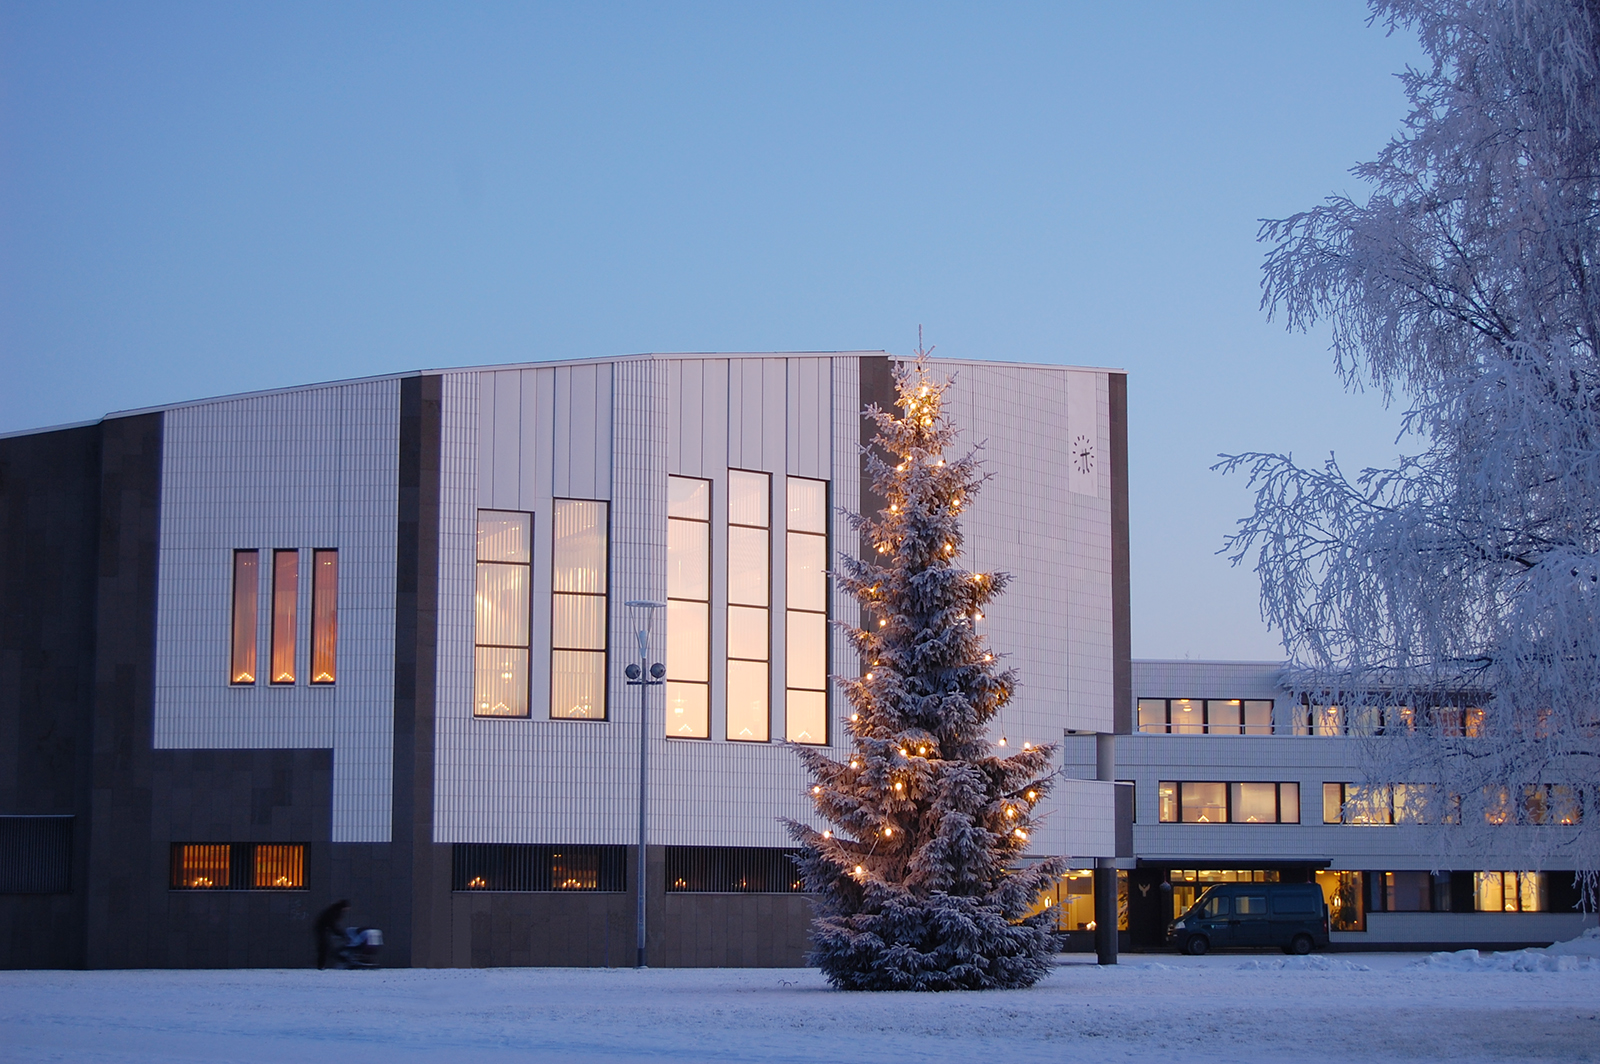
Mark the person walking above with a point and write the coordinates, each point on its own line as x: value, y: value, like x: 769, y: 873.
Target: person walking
x: 330, y: 925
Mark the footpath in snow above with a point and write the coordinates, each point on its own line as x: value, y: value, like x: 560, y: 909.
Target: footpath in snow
x: 1456, y: 1007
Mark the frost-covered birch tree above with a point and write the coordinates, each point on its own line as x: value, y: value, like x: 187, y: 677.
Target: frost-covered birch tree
x: 918, y: 883
x: 1467, y: 287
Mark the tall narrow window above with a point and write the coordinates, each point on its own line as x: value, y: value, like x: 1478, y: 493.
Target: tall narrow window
x: 285, y: 594
x: 500, y: 684
x: 324, y: 616
x: 578, y: 610
x: 749, y: 605
x: 246, y: 589
x: 688, y: 608
x: 806, y: 718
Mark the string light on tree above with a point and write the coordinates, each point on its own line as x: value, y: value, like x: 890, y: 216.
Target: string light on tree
x: 927, y: 825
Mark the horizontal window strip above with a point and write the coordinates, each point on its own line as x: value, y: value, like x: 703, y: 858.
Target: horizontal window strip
x: 238, y: 866
x: 732, y: 870
x: 530, y: 868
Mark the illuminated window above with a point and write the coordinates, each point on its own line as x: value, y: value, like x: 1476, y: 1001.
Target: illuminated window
x: 285, y: 595
x: 1384, y: 805
x: 1349, y: 803
x: 1189, y: 883
x: 1511, y: 892
x: 279, y: 867
x: 246, y: 590
x: 1203, y: 803
x: 806, y: 618
x: 1209, y: 716
x: 1188, y: 716
x: 731, y: 870
x: 202, y: 867
x: 1228, y: 803
x: 749, y: 605
x: 1456, y: 721
x: 688, y: 608
x: 324, y: 616
x: 520, y: 867
x: 1072, y: 898
x: 238, y: 866
x: 578, y: 583
x: 504, y: 579
x: 1347, y: 900
x: 1224, y: 716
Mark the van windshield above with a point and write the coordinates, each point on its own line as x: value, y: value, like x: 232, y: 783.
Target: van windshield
x: 1211, y: 903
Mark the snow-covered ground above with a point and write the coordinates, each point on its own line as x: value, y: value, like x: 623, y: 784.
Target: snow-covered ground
x: 1229, y: 1007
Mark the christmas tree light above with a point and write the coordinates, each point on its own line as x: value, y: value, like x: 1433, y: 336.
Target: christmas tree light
x: 919, y: 884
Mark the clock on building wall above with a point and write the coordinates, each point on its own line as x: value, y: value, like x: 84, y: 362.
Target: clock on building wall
x: 1083, y: 454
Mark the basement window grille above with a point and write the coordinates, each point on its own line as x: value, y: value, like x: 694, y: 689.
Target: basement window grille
x: 238, y: 866
x: 732, y: 870
x: 494, y: 866
x: 35, y: 854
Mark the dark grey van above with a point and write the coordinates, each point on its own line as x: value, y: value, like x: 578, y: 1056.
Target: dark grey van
x: 1290, y: 916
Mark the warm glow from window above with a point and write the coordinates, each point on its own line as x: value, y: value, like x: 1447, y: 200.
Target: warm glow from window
x: 806, y: 711
x: 246, y: 589
x: 688, y: 687
x: 1182, y: 802
x: 749, y: 637
x: 1510, y: 892
x: 285, y: 595
x: 504, y: 577
x: 279, y: 867
x: 202, y: 867
x: 578, y: 578
x: 324, y: 616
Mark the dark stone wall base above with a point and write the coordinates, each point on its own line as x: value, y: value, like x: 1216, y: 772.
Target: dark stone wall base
x: 599, y: 930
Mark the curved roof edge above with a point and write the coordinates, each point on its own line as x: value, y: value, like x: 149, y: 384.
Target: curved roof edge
x: 479, y: 368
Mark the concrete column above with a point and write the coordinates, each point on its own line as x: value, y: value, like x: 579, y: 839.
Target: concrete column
x: 1105, y: 868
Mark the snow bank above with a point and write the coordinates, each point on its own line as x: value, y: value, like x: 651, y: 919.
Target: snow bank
x: 1581, y: 954
x: 1309, y: 963
x: 1198, y: 1010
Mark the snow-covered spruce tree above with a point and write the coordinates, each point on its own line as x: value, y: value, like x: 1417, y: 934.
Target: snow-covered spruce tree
x: 1469, y: 284
x: 918, y: 884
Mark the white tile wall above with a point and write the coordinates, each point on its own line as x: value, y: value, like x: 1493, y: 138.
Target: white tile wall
x: 1054, y: 622
x: 1310, y: 761
x: 512, y: 439
x: 316, y: 467
x: 313, y: 467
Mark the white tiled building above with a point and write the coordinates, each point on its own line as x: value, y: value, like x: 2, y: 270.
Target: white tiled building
x: 369, y: 639
x: 1234, y: 778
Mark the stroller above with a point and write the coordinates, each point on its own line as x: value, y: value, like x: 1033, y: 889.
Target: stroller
x: 361, y: 947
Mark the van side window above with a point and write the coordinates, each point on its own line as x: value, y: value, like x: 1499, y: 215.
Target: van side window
x: 1299, y: 902
x: 1252, y: 905
x: 1216, y: 905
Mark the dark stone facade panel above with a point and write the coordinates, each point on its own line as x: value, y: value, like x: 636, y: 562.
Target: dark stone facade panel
x: 49, y: 543
x: 736, y: 930
x: 126, y: 889
x: 1121, y: 587
x: 581, y: 929
x: 414, y: 915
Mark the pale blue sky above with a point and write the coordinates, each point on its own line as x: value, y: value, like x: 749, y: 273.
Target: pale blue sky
x: 211, y: 198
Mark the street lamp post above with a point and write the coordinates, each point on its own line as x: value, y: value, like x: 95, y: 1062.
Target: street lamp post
x: 644, y: 676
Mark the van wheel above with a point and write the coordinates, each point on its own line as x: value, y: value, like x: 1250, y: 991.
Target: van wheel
x: 1198, y: 944
x: 1300, y: 945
